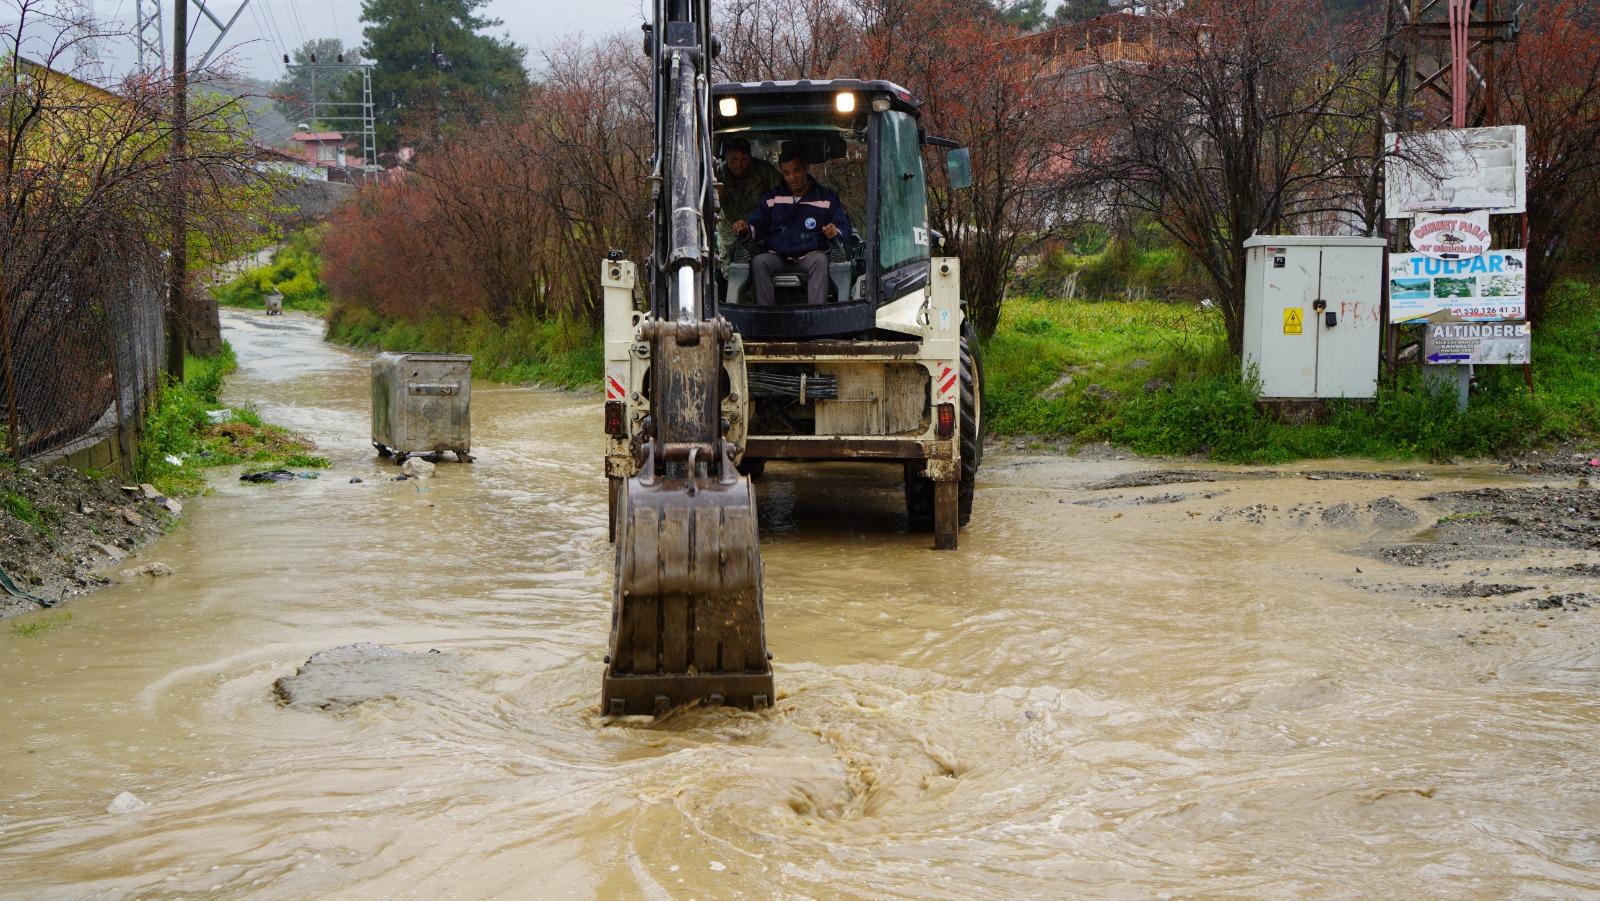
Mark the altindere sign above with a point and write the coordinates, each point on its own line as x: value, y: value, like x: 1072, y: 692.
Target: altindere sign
x: 1479, y: 343
x: 1450, y: 236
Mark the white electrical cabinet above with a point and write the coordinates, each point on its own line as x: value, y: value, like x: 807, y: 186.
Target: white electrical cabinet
x: 1313, y: 315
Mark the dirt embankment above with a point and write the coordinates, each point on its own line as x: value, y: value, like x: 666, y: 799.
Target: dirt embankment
x: 62, y: 533
x: 1534, y: 546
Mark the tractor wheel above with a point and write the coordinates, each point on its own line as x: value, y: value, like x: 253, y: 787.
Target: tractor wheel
x: 752, y: 467
x: 919, y: 488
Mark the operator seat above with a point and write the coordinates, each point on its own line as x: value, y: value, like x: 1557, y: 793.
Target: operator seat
x: 840, y: 269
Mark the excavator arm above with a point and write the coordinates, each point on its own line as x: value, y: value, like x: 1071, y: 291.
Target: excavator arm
x: 687, y: 621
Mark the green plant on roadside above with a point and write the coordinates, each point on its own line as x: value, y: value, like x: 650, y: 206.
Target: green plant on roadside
x: 180, y: 428
x: 306, y: 461
x: 295, y: 273
x: 1158, y: 378
x: 24, y: 510
x: 36, y: 627
x: 556, y: 352
x: 247, y: 414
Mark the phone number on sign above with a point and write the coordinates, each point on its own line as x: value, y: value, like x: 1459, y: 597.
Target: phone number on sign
x: 1487, y: 312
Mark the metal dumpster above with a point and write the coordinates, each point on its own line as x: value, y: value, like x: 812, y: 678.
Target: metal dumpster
x: 421, y: 404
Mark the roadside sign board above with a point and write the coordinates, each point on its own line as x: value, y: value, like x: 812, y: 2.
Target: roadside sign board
x: 1456, y: 169
x: 1485, y: 288
x: 1450, y: 236
x: 1477, y: 343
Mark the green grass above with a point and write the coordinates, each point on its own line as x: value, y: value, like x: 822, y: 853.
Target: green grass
x: 178, y: 426
x: 295, y: 272
x: 1145, y: 265
x: 554, y: 352
x: 24, y: 510
x: 41, y: 625
x: 1207, y: 407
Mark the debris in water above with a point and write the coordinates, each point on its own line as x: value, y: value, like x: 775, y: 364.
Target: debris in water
x: 718, y: 866
x: 417, y: 468
x: 271, y: 475
x: 344, y: 677
x: 355, y: 480
x: 127, y: 802
x: 147, y: 569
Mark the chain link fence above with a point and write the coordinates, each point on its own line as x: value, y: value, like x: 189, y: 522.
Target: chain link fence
x: 81, y: 359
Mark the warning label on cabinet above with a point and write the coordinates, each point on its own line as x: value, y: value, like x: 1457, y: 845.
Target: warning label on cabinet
x: 1293, y: 317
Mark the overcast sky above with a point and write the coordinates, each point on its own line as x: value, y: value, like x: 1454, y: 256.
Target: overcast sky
x: 269, y: 28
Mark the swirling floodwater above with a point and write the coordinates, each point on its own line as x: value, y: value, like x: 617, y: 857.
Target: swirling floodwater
x: 1140, y: 701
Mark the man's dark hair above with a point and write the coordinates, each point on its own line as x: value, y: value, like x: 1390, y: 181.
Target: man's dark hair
x: 733, y: 144
x: 791, y: 152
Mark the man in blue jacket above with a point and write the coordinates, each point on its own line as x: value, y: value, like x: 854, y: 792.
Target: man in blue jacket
x: 795, y: 220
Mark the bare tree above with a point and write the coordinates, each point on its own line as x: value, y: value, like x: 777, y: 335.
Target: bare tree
x: 762, y: 40
x: 510, y: 217
x: 1252, y: 116
x: 984, y: 87
x: 86, y: 176
x: 1552, y: 85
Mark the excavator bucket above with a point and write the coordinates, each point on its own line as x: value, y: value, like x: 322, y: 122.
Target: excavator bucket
x: 687, y: 623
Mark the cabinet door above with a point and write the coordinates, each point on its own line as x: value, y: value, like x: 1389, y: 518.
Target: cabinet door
x: 1289, y: 354
x: 1347, y: 351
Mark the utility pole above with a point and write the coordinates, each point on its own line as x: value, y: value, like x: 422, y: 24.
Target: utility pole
x: 345, y: 113
x: 148, y: 39
x: 178, y: 271
x: 1442, y: 54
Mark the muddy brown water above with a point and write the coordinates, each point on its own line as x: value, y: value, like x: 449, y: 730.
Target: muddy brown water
x: 1125, y: 700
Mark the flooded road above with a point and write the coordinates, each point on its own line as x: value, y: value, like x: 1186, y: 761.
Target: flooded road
x: 1182, y: 689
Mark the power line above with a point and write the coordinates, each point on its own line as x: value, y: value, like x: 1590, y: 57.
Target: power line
x: 299, y: 23
x: 333, y: 16
x: 272, y: 23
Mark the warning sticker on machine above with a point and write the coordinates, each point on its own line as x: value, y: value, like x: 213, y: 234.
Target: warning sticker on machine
x: 1292, y: 319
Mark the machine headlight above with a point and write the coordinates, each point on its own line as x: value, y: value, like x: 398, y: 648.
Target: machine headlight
x: 844, y: 102
x: 728, y: 107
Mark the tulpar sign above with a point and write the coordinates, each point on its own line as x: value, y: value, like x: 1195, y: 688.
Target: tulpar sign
x: 1484, y: 288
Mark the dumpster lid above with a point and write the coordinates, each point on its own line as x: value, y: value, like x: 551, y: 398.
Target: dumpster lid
x: 424, y: 357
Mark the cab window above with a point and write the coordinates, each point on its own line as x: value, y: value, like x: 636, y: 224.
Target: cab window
x: 902, y: 196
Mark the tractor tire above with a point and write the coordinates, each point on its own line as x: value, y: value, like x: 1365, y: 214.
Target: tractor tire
x: 752, y: 467
x: 919, y: 488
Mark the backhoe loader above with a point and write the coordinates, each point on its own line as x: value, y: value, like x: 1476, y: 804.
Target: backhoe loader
x: 703, y: 385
